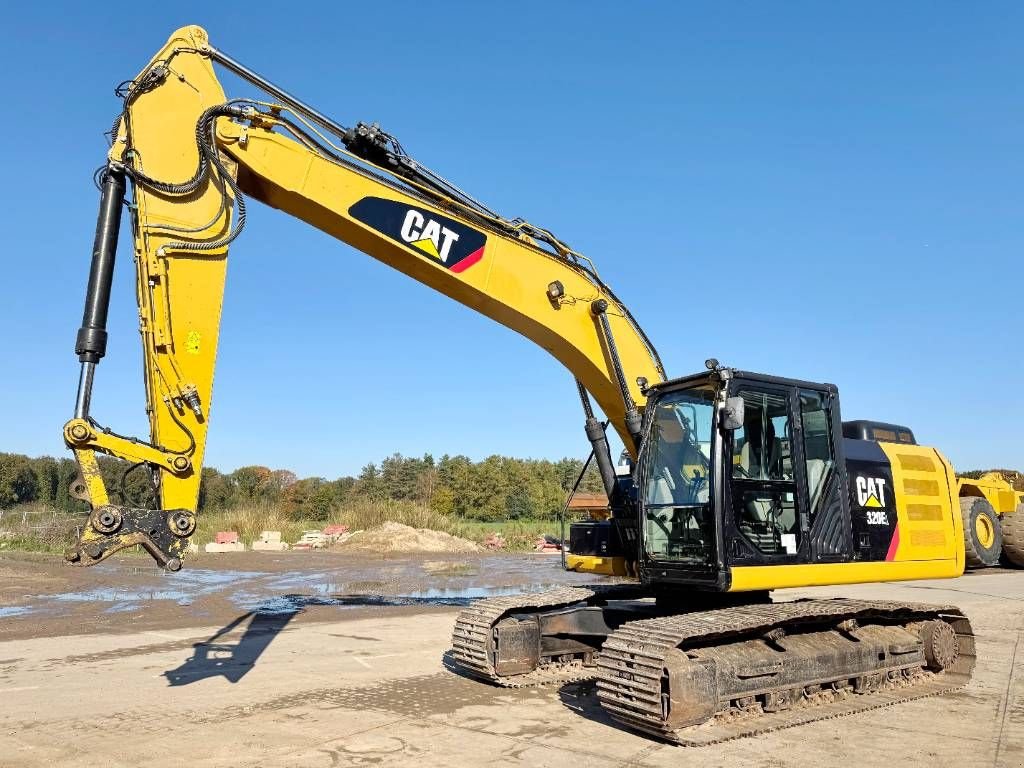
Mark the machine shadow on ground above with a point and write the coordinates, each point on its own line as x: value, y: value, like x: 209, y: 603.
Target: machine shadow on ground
x: 581, y: 698
x: 217, y: 656
x: 232, y: 661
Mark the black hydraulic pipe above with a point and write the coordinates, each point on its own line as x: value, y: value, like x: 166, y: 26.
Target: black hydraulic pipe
x: 565, y: 507
x: 277, y: 92
x: 91, y: 343
x: 632, y: 416
x: 599, y: 442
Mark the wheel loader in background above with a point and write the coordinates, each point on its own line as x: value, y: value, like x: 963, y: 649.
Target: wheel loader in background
x: 991, y: 533
x: 742, y: 483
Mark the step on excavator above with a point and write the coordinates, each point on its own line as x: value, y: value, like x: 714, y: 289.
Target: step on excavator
x: 740, y: 483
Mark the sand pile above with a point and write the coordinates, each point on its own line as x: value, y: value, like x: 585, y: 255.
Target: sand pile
x: 395, y: 537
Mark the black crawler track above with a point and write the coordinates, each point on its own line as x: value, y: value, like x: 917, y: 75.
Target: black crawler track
x: 473, y: 637
x: 472, y: 650
x: 634, y: 661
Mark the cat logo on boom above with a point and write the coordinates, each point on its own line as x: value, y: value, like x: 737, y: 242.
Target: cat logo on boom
x: 448, y: 242
x: 428, y: 235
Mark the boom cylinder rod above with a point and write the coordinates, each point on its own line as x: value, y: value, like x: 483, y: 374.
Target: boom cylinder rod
x: 632, y: 415
x: 599, y: 443
x: 91, y: 342
x: 84, y: 390
x: 277, y: 92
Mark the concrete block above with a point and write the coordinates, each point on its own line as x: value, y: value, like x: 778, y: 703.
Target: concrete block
x: 312, y: 540
x: 269, y: 546
x: 226, y: 537
x: 269, y: 541
x: 215, y: 547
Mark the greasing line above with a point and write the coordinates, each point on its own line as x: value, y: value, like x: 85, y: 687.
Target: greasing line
x: 165, y: 636
x: 1006, y: 701
x: 364, y: 660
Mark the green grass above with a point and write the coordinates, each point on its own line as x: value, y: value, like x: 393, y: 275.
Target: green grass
x: 42, y: 529
x: 519, y: 535
x: 251, y: 520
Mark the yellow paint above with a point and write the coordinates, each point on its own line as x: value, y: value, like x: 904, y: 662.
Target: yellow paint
x: 130, y: 450
x: 925, y: 482
x: 925, y: 512
x: 180, y: 292
x: 750, y: 578
x: 929, y: 525
x: 986, y: 533
x: 90, y: 471
x: 993, y: 487
x: 192, y: 342
x: 509, y: 286
x: 606, y: 566
x: 427, y: 246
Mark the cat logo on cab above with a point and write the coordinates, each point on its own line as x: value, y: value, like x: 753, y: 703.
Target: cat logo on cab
x: 871, y: 491
x: 446, y: 241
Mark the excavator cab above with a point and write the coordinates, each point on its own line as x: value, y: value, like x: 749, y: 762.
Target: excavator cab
x: 737, y: 469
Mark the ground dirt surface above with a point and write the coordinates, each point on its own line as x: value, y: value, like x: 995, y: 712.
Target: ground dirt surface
x: 335, y: 659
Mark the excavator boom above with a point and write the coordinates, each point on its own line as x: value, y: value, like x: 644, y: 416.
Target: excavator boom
x: 191, y: 158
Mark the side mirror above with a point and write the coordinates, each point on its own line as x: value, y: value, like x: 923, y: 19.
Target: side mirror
x: 731, y: 414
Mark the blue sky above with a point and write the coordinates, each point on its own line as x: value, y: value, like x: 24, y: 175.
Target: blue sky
x: 821, y: 190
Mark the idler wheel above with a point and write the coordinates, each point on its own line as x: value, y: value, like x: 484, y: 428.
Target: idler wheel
x: 941, y: 646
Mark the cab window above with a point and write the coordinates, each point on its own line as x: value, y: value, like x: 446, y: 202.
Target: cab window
x: 679, y: 521
x: 763, y: 484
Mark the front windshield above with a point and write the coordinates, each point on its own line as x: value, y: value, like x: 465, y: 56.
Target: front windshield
x: 677, y: 477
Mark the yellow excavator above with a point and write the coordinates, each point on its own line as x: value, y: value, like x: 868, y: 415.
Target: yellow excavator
x: 739, y: 484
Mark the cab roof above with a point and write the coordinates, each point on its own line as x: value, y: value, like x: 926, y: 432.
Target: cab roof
x: 724, y: 374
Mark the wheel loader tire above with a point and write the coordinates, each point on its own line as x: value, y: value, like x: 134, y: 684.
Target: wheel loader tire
x: 983, y: 534
x: 1013, y: 536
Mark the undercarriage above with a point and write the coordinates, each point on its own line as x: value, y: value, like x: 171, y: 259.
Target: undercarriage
x: 698, y: 676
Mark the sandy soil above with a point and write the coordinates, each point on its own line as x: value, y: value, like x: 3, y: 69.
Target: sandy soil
x: 337, y: 686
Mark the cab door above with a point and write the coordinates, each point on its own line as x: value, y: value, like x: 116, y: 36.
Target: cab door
x: 786, y: 488
x: 818, y: 431
x: 765, y: 499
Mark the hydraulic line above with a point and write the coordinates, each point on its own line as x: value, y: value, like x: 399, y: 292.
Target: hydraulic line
x: 632, y: 415
x: 599, y: 443
x: 418, y: 172
x: 91, y: 343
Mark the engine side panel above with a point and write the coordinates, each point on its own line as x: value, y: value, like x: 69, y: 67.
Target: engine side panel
x: 905, y: 522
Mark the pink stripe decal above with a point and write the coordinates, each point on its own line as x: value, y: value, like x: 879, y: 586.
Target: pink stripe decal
x: 894, y: 544
x: 469, y: 261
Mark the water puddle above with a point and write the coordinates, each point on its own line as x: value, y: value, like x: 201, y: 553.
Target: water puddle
x: 456, y: 597
x: 477, y: 593
x: 182, y: 588
x: 442, y: 582
x: 121, y: 596
x: 15, y: 610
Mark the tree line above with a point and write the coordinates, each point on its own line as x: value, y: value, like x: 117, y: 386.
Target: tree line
x: 493, y: 489
x: 496, y: 488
